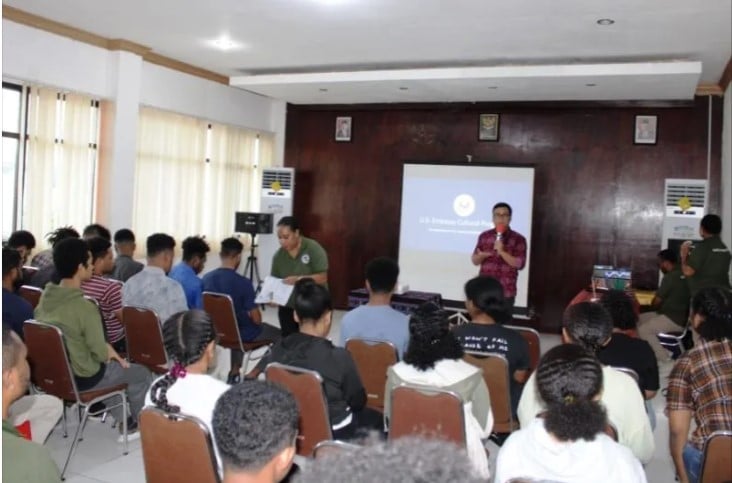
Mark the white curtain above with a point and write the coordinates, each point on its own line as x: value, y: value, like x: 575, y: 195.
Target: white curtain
x: 192, y: 176
x: 60, y: 161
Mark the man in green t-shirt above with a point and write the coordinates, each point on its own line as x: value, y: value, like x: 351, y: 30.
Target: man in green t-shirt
x: 298, y: 257
x: 707, y: 264
x: 671, y: 303
x: 23, y: 460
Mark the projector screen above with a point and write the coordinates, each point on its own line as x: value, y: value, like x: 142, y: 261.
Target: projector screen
x: 444, y: 209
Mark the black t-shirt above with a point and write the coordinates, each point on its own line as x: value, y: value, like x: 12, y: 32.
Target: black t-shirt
x: 633, y: 353
x: 498, y: 339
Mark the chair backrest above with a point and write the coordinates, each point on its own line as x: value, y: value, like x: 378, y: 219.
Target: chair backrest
x: 325, y: 448
x: 176, y: 447
x: 221, y: 309
x: 611, y: 431
x: 427, y: 411
x: 628, y: 371
x: 716, y: 466
x: 144, y: 337
x: 31, y: 294
x: 531, y: 337
x: 373, y: 358
x: 307, y: 388
x: 497, y: 378
x: 48, y: 359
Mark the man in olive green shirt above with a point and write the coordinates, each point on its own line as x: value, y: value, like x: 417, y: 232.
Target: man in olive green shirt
x: 23, y: 460
x: 707, y: 265
x: 298, y: 257
x: 671, y: 303
x: 95, y: 363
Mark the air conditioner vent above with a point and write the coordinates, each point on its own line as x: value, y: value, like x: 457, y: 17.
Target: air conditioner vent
x: 270, y: 176
x: 696, y: 193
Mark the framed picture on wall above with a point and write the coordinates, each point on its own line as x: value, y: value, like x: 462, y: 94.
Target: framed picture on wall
x: 646, y: 130
x: 488, y: 127
x: 343, y: 128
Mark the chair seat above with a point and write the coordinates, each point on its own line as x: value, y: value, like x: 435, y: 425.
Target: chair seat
x: 92, y: 394
x: 250, y: 346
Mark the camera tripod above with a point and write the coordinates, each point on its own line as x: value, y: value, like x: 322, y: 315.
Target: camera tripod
x: 251, y: 269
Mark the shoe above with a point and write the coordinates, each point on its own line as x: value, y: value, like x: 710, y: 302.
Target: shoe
x: 233, y: 379
x: 133, y: 431
x: 99, y: 409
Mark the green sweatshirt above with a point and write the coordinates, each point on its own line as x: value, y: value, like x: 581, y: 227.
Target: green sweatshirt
x: 81, y: 323
x: 26, y: 461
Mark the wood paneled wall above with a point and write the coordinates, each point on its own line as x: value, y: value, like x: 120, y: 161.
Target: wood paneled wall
x: 598, y: 197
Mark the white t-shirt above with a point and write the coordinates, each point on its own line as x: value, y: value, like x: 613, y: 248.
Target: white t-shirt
x: 196, y: 395
x: 623, y: 402
x: 533, y: 453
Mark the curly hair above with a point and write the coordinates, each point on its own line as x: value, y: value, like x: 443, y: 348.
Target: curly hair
x: 252, y: 423
x: 194, y: 246
x: 714, y: 305
x: 22, y: 238
x: 186, y: 336
x: 588, y: 324
x: 568, y: 379
x: 621, y: 310
x: 430, y: 338
x: 486, y: 293
x: 60, y: 234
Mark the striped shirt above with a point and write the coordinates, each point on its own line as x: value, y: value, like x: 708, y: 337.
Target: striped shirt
x: 108, y: 294
x: 701, y: 382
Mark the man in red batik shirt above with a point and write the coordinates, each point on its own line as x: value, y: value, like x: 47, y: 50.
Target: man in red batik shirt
x: 501, y: 252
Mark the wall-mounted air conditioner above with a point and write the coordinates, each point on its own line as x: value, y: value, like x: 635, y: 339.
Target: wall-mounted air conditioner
x: 277, y: 195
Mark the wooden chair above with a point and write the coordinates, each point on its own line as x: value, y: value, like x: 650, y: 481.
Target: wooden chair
x: 532, y: 338
x: 325, y: 448
x: 31, y: 294
x: 428, y: 412
x: 144, y: 338
x: 27, y: 272
x: 307, y: 388
x: 51, y: 373
x: 498, y: 380
x: 373, y: 358
x: 221, y: 309
x: 176, y: 447
x: 716, y: 466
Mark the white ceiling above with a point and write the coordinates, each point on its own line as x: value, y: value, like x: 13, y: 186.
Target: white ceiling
x: 439, y: 50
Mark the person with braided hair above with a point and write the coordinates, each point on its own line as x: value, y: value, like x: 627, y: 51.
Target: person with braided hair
x: 190, y: 341
x: 590, y: 326
x: 434, y: 358
x: 700, y: 384
x: 566, y: 442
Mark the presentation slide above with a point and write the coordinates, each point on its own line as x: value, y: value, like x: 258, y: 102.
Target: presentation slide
x: 444, y: 209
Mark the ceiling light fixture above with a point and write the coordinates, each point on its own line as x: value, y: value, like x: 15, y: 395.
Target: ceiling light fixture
x: 492, y: 87
x: 225, y: 43
x: 323, y: 89
x: 605, y: 21
x: 590, y: 85
x: 404, y: 88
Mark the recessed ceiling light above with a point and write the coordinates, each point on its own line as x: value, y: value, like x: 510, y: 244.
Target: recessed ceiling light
x: 605, y: 21
x: 404, y: 88
x: 225, y: 43
x: 590, y: 85
x: 492, y: 87
x: 323, y: 89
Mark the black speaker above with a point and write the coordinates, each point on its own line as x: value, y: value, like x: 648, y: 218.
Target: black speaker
x: 253, y: 223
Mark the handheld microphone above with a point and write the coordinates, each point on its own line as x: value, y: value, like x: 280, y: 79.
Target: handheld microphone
x: 500, y: 230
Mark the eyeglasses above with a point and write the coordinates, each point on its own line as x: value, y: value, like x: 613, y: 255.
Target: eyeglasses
x: 501, y: 215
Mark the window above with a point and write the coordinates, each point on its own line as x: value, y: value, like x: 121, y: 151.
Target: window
x: 192, y: 176
x: 13, y: 96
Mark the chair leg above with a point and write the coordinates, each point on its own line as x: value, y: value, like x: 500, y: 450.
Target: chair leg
x: 66, y: 432
x: 76, y: 440
x: 245, y: 362
x: 124, y: 422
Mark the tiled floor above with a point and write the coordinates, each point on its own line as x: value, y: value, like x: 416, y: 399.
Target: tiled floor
x: 99, y: 457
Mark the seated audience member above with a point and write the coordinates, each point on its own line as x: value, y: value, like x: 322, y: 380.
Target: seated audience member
x: 434, y: 358
x: 567, y: 441
x: 106, y: 292
x: 124, y: 265
x: 226, y: 280
x: 406, y: 460
x: 186, y: 272
x: 95, y: 363
x: 24, y: 242
x: 190, y: 341
x: 255, y: 426
x: 43, y: 260
x: 671, y: 304
x: 151, y: 288
x: 310, y: 349
x: 96, y: 230
x: 23, y: 460
x: 623, y: 350
x: 16, y: 309
x: 377, y: 319
x: 700, y: 384
x: 485, y: 333
x: 589, y: 325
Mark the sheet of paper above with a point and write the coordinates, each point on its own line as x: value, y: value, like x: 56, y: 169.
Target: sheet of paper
x: 274, y: 290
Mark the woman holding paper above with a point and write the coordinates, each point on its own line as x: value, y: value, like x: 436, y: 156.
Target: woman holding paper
x: 298, y: 257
